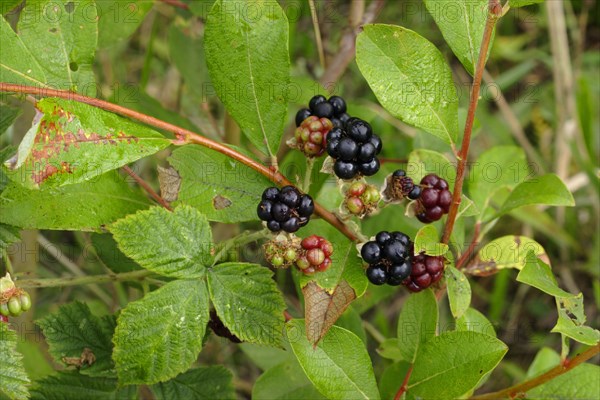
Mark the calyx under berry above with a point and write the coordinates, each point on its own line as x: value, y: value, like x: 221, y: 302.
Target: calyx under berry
x: 13, y: 300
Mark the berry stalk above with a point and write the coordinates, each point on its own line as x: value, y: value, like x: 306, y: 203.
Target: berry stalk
x: 184, y: 136
x: 494, y: 13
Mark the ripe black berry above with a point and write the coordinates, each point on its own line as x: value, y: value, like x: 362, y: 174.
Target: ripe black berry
x: 301, y: 115
x: 347, y: 149
x: 339, y: 105
x: 323, y: 110
x: 316, y: 100
x: 369, y: 168
x: 359, y: 130
x: 398, y: 272
x: 345, y: 170
x: 337, y: 123
x: 333, y: 147
x: 367, y: 152
x: 286, y: 209
x: 377, y: 274
x: 371, y: 252
x: 376, y: 141
x: 415, y: 193
x: 344, y: 118
x: 264, y: 210
x: 335, y: 134
x: 388, y: 257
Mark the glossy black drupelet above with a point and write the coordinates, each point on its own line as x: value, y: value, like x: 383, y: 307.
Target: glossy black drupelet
x: 286, y: 209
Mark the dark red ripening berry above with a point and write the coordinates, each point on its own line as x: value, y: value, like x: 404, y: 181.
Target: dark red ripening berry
x: 315, y: 255
x: 426, y: 270
x: 434, y: 200
x: 310, y: 136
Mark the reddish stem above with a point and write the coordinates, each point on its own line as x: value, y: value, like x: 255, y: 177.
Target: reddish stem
x: 287, y: 316
x: 177, y: 3
x: 471, y: 249
x: 402, y: 389
x: 147, y: 188
x: 184, y: 136
x: 524, y: 387
x: 494, y: 12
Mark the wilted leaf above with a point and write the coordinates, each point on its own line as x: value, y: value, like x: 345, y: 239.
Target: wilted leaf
x: 323, y: 308
x: 170, y: 182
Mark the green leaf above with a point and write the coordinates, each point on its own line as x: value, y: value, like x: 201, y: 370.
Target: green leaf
x: 249, y: 64
x: 107, y: 250
x: 422, y: 162
x: 505, y: 252
x: 457, y: 361
x: 390, y: 349
x: 462, y: 23
x: 176, y: 244
x: 8, y: 5
x: 63, y: 41
x: 547, y: 189
x: 500, y: 166
x: 72, y: 330
x: 204, y: 383
x: 12, y: 373
x: 8, y: 235
x: 84, y: 206
x: 8, y: 115
x: 473, y: 320
x: 186, y: 50
x: 523, y: 3
x: 538, y: 274
x: 427, y: 241
x: 571, y: 320
x: 224, y: 190
x: 459, y: 291
x: 117, y: 20
x: 160, y: 336
x: 582, y: 382
x: 71, y: 385
x: 74, y: 142
x: 544, y: 360
x: 264, y: 357
x: 285, y: 381
x: 417, y: 323
x: 17, y: 65
x: 338, y: 366
x: 410, y: 78
x: 248, y: 302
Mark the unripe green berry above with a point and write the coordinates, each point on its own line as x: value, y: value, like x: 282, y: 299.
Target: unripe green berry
x: 311, y: 148
x: 290, y: 255
x: 14, y: 306
x: 354, y: 205
x: 4, y: 309
x: 302, y: 263
x: 371, y: 195
x: 25, y: 301
x: 304, y: 135
x: 316, y: 137
x: 277, y: 261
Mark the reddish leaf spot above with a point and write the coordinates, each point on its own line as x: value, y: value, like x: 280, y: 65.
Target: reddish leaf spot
x: 220, y: 202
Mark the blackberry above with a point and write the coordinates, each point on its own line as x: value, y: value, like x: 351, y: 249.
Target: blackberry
x: 434, y: 199
x: 333, y: 109
x: 309, y: 136
x: 426, y: 270
x: 315, y: 255
x: 355, y: 149
x: 388, y: 257
x: 286, y: 209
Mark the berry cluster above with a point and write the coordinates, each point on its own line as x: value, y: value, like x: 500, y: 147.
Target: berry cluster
x: 286, y: 209
x: 13, y: 300
x: 281, y: 252
x: 435, y: 199
x: 388, y: 257
x: 355, y: 149
x: 426, y: 270
x: 315, y: 255
x: 309, y: 136
x: 399, y: 186
x: 333, y: 109
x: 361, y: 199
